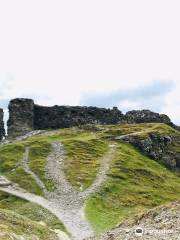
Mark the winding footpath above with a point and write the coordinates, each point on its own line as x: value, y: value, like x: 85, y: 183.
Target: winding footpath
x: 25, y: 166
x: 65, y: 202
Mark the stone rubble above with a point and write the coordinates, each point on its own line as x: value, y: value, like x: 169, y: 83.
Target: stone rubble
x: 162, y: 223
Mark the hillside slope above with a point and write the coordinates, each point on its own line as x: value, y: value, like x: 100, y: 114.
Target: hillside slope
x: 159, y: 223
x: 92, y: 177
x: 14, y: 226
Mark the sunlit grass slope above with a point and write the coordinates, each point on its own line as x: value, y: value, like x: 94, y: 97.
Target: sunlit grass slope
x: 135, y: 182
x: 14, y: 226
x: 30, y: 210
x: 83, y: 161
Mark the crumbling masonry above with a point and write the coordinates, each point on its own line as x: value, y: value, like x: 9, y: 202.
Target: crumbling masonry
x: 26, y: 116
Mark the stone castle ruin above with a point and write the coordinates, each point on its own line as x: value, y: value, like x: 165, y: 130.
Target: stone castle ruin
x: 26, y: 116
x: 2, y: 130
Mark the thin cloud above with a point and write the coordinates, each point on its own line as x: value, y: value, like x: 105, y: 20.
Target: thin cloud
x: 4, y: 103
x: 5, y: 83
x: 150, y: 96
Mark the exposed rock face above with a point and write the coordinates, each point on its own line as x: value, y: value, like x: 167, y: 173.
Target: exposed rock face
x: 21, y: 117
x: 157, y: 147
x: 2, y: 131
x: 146, y: 116
x: 25, y: 116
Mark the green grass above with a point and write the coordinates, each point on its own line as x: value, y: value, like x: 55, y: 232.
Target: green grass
x: 10, y: 157
x: 30, y: 210
x: 83, y: 160
x: 39, y: 151
x: 64, y: 135
x: 144, y: 128
x: 12, y: 223
x: 135, y: 183
x: 82, y: 150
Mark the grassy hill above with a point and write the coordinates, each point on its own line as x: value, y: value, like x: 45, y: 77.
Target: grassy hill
x: 135, y: 182
x: 14, y: 226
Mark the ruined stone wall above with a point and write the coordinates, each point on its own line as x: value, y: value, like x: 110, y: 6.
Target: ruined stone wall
x: 2, y: 131
x: 66, y: 116
x: 21, y: 117
x: 25, y: 116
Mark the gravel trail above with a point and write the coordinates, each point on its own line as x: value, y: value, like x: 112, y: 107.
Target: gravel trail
x: 54, y: 170
x: 130, y: 134
x: 65, y: 202
x: 21, y: 193
x: 102, y: 175
x: 25, y: 166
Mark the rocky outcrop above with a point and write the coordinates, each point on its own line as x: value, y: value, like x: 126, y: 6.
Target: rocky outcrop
x: 156, y: 224
x: 2, y: 131
x: 157, y: 147
x: 25, y: 116
x: 21, y: 117
x: 146, y: 116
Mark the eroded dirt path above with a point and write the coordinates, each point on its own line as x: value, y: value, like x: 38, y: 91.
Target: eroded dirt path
x: 54, y: 170
x: 65, y: 202
x: 25, y: 166
x: 102, y: 174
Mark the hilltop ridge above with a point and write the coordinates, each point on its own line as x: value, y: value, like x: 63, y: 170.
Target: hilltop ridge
x: 26, y: 116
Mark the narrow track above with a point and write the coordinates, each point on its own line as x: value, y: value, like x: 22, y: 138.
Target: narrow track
x: 25, y: 166
x: 65, y: 202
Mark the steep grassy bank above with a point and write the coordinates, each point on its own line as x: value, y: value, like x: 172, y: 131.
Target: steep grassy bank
x: 135, y: 183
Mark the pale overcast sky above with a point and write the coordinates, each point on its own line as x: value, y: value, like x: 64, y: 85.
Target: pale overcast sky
x: 104, y: 53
